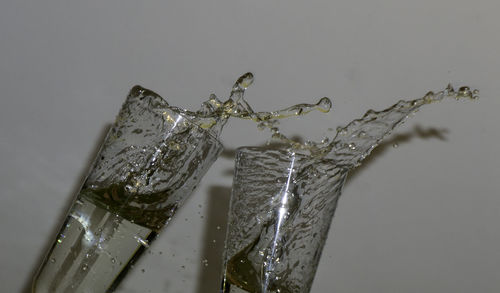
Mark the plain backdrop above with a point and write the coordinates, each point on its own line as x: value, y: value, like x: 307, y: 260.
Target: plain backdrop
x: 422, y: 217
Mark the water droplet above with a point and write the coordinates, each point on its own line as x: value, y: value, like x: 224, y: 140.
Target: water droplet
x: 464, y: 92
x: 395, y: 145
x: 84, y: 267
x: 52, y: 260
x: 352, y: 146
x: 324, y: 105
x: 218, y: 227
x: 429, y: 97
x: 113, y: 260
x: 245, y: 80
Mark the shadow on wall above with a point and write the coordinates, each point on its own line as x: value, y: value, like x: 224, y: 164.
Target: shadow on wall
x: 213, y: 239
x: 397, y: 140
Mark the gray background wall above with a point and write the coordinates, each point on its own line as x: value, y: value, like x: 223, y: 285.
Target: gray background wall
x: 422, y: 217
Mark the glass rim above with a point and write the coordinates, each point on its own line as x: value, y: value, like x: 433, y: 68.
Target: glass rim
x: 177, y: 111
x: 284, y: 152
x: 208, y: 131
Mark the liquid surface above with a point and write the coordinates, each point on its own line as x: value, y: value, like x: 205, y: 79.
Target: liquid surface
x: 92, y: 252
x: 283, y: 200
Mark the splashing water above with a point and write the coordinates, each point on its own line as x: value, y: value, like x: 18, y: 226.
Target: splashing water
x: 284, y: 199
x: 356, y: 140
x: 214, y: 113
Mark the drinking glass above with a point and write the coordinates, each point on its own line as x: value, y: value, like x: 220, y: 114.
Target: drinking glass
x: 281, y: 207
x: 150, y: 162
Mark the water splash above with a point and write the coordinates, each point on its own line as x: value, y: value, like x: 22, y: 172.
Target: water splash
x: 279, y: 222
x: 214, y: 114
x: 355, y: 141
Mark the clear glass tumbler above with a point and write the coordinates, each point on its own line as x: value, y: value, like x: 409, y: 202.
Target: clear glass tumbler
x: 150, y: 162
x: 282, y: 204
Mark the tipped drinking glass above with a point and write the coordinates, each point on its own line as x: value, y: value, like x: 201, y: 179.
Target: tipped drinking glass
x: 150, y: 162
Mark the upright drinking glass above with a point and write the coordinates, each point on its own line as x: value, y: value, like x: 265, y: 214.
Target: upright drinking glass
x: 150, y: 162
x: 282, y: 204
